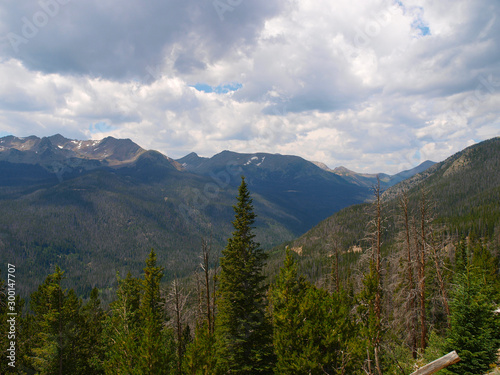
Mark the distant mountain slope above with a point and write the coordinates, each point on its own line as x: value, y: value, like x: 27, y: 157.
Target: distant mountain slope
x: 363, y: 179
x: 47, y: 149
x: 303, y: 190
x: 462, y: 175
x: 464, y: 189
x: 64, y: 158
x: 97, y: 207
x: 397, y: 178
x: 386, y: 181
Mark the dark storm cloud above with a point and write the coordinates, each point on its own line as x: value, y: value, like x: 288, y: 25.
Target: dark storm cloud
x: 119, y: 39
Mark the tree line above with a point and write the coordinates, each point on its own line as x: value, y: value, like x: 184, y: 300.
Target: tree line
x: 402, y: 309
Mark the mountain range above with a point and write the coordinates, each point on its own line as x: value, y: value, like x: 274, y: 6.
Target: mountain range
x: 97, y: 207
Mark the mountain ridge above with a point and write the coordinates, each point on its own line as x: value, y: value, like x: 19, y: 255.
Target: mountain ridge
x: 95, y: 208
x: 114, y: 152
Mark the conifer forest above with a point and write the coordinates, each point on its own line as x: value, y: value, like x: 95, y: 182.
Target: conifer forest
x: 399, y: 306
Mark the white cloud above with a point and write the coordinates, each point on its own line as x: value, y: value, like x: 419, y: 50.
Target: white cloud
x: 375, y: 86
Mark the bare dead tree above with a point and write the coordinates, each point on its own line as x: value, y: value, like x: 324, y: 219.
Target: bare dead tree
x: 424, y: 210
x: 199, y: 293
x: 411, y: 323
x: 205, y: 256
x: 437, y: 258
x: 375, y: 237
x: 334, y: 271
x: 214, y: 296
x: 206, y: 286
x: 378, y: 251
x: 421, y: 242
x: 378, y: 255
x: 368, y: 361
x: 178, y: 299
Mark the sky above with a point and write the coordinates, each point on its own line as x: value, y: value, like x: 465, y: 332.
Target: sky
x: 375, y: 86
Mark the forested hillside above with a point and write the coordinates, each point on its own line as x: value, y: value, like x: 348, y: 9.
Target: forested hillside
x: 416, y: 257
x: 397, y: 305
x: 97, y: 207
x: 462, y: 193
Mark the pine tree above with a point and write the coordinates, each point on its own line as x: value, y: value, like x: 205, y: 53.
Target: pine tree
x: 199, y: 358
x: 139, y: 342
x: 312, y: 328
x: 369, y: 327
x: 156, y: 352
x: 243, y: 332
x: 91, y: 338
x: 285, y: 297
x: 475, y: 328
x: 57, y: 323
x: 122, y: 328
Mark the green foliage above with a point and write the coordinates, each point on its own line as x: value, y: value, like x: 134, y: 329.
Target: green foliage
x: 475, y: 328
x: 285, y: 297
x: 91, y: 341
x: 313, y: 333
x: 304, y: 330
x: 155, y: 344
x: 436, y: 347
x: 63, y: 342
x: 138, y: 341
x: 199, y: 358
x: 370, y: 329
x: 243, y: 331
x: 122, y: 327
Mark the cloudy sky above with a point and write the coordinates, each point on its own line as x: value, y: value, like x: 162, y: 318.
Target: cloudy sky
x: 376, y: 86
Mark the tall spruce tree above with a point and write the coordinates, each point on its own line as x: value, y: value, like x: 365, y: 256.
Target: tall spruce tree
x: 91, y: 337
x: 156, y: 350
x: 475, y: 328
x: 242, y: 329
x: 311, y: 327
x: 139, y: 342
x: 122, y: 328
x: 285, y: 297
x: 57, y: 323
x: 200, y: 357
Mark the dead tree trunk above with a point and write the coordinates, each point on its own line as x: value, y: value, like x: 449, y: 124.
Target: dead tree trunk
x: 206, y: 269
x: 442, y: 288
x: 377, y: 262
x: 411, y: 323
x: 178, y: 301
x: 334, y: 272
x: 422, y: 260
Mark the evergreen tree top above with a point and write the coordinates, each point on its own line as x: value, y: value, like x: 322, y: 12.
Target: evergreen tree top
x: 244, y: 215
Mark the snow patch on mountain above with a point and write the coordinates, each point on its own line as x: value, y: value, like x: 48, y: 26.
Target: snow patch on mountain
x: 255, y: 160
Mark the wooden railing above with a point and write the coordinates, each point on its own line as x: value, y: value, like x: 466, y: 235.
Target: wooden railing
x: 438, y: 364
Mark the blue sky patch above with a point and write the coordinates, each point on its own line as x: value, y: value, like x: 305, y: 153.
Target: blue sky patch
x: 422, y: 26
x: 100, y: 127
x: 424, y: 30
x: 220, y: 89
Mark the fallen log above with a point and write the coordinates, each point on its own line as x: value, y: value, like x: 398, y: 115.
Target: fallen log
x: 439, y: 364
